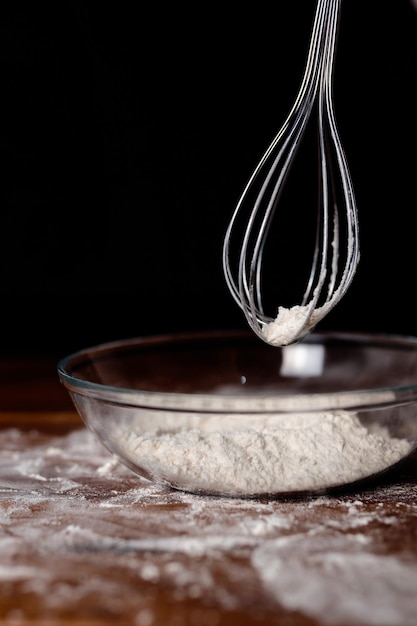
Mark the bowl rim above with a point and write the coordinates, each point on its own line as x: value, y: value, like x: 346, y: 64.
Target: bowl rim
x: 235, y: 403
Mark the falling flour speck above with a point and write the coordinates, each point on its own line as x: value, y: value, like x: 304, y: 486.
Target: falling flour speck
x: 241, y: 455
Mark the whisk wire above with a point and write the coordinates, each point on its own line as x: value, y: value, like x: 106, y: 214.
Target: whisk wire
x: 290, y: 135
x: 270, y: 176
x: 330, y: 138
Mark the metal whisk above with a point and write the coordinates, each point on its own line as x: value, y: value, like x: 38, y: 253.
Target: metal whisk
x: 336, y: 247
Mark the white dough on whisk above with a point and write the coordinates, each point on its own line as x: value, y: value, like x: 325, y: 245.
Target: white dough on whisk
x: 285, y: 328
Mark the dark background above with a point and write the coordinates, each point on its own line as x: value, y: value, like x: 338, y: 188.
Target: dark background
x: 127, y: 137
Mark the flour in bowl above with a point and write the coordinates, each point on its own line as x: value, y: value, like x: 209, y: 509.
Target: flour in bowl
x: 244, y: 455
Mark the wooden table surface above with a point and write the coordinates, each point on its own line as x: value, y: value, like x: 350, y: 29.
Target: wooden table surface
x: 84, y: 541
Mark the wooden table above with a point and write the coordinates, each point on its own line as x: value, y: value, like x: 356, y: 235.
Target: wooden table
x: 85, y: 541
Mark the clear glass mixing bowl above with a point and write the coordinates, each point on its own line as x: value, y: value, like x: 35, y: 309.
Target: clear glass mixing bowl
x: 223, y: 413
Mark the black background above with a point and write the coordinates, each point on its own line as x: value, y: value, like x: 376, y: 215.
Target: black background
x: 128, y: 134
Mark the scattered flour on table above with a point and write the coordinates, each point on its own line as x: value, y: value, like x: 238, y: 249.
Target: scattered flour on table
x: 336, y: 581
x: 248, y: 455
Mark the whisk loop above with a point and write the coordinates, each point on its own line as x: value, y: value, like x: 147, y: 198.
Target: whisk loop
x: 336, y: 248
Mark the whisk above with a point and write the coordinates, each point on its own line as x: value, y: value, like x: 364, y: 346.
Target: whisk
x: 336, y: 241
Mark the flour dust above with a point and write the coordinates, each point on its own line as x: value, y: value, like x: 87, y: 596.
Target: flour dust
x: 241, y: 455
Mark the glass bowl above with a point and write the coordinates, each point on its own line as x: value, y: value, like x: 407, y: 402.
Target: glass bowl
x: 222, y: 413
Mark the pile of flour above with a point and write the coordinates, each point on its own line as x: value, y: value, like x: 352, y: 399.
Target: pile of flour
x: 286, y: 327
x: 241, y: 455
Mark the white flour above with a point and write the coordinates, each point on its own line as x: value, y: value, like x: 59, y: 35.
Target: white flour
x: 243, y: 455
x: 290, y: 323
x: 67, y: 507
